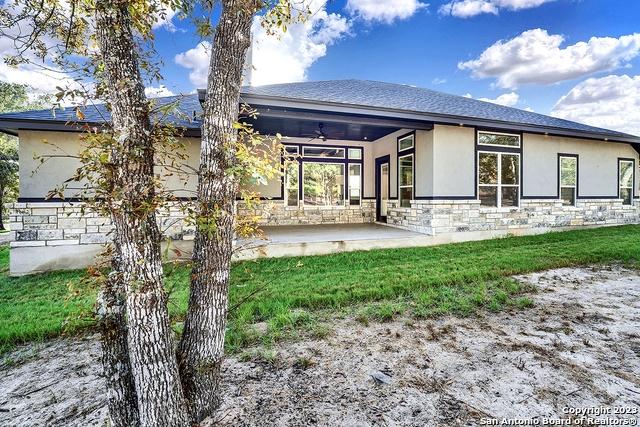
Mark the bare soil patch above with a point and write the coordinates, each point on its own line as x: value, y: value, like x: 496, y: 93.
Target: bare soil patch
x: 579, y: 346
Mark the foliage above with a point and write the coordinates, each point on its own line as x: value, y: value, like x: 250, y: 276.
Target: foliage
x: 291, y: 294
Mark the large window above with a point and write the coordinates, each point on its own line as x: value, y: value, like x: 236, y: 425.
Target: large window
x: 568, y: 175
x: 498, y: 179
x: 625, y: 178
x: 323, y: 176
x: 405, y: 168
x: 323, y: 184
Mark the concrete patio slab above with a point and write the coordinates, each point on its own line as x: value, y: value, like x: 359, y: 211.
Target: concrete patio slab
x: 329, y: 233
x: 304, y: 240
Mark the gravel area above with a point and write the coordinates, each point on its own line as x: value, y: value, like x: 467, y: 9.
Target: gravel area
x: 579, y: 346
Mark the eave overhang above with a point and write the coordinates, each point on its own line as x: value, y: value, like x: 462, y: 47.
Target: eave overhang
x: 333, y: 107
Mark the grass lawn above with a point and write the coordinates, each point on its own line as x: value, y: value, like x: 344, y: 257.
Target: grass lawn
x: 288, y: 296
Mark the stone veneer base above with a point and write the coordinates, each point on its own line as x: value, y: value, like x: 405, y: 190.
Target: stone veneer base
x: 78, y: 237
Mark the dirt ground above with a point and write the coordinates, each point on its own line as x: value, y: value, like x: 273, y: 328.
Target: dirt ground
x: 578, y: 347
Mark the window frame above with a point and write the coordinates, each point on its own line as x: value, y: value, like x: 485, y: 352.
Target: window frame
x: 576, y: 186
x: 306, y: 146
x: 413, y: 179
x: 346, y: 162
x: 633, y: 179
x: 498, y: 185
x: 411, y: 135
x: 348, y: 188
x: 489, y: 132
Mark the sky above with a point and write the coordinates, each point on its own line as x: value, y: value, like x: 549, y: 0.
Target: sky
x: 575, y: 59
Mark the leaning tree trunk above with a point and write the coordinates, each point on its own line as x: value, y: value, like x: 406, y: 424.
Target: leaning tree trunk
x: 202, y: 347
x: 153, y: 364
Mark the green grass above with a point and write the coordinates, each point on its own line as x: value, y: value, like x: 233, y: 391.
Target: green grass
x: 289, y: 296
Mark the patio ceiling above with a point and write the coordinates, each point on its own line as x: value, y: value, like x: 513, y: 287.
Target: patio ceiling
x: 336, y: 126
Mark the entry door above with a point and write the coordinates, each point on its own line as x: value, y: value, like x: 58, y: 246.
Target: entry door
x: 382, y: 188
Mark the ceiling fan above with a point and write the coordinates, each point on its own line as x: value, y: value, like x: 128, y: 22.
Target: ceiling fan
x: 318, y: 133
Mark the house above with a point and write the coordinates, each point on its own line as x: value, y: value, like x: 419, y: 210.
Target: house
x: 412, y: 158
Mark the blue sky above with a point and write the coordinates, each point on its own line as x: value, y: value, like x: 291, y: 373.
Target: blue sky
x: 412, y: 42
x: 577, y: 59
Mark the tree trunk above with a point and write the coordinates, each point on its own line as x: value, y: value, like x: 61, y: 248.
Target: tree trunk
x: 153, y: 363
x: 121, y: 394
x: 2, y: 208
x: 202, y: 347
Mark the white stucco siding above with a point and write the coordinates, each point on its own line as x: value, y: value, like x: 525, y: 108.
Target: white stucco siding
x: 597, y: 165
x: 388, y: 145
x: 39, y: 174
x: 453, y: 161
x: 423, y: 167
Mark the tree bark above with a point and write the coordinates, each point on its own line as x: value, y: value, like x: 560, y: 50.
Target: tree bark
x: 153, y: 364
x: 1, y: 208
x: 201, y: 349
x: 121, y: 394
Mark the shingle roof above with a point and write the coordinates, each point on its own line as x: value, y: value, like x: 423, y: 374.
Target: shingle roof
x: 415, y: 99
x: 181, y: 116
x: 356, y: 93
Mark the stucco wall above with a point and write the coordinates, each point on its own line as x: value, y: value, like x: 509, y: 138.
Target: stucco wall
x: 454, y: 164
x: 453, y: 161
x: 388, y: 145
x: 38, y: 178
x: 597, y: 165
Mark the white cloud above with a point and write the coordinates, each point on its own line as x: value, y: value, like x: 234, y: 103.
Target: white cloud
x: 157, y: 91
x: 611, y: 102
x: 507, y: 99
x: 197, y: 60
x: 469, y: 8
x: 535, y: 56
x: 278, y: 59
x: 385, y: 11
x: 438, y: 81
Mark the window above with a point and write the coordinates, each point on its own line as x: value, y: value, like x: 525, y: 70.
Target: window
x: 355, y: 153
x: 498, y: 179
x: 568, y: 180
x: 291, y: 183
x: 325, y: 152
x: 355, y: 181
x: 626, y: 177
x: 323, y: 184
x: 499, y: 139
x: 405, y: 168
x: 291, y: 150
x: 405, y: 143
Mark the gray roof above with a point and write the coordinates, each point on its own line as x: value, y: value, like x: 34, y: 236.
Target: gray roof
x: 330, y: 94
x: 182, y: 109
x: 383, y: 95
